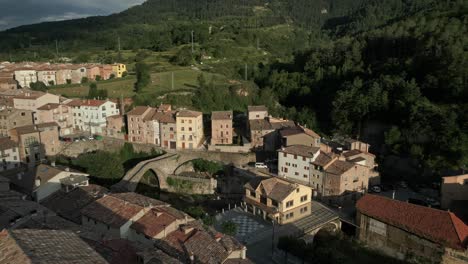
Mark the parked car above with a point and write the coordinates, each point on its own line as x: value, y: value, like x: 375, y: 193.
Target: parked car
x: 375, y: 189
x: 76, y: 139
x: 91, y: 137
x: 260, y: 165
x: 433, y: 202
x: 403, y: 184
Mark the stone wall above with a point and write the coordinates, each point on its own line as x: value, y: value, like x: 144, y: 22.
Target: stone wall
x: 194, y: 186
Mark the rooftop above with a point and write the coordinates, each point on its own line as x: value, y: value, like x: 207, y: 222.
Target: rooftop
x: 273, y: 188
x: 154, y: 222
x: 34, y: 128
x: 255, y: 108
x: 49, y: 106
x: 166, y: 117
x: 139, y: 110
x: 301, y: 150
x: 439, y: 226
x: 46, y: 246
x: 260, y: 124
x: 188, y: 113
x: 323, y: 159
x: 221, y: 115
x: 87, y: 102
x: 339, y: 167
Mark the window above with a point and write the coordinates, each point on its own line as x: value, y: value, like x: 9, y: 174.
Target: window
x: 295, y: 156
x: 274, y: 203
x: 304, y: 198
x: 252, y: 193
x: 285, y: 155
x: 182, y: 128
x: 289, y: 203
x: 286, y: 170
x: 304, y: 158
x: 305, y: 175
x: 296, y: 173
x: 182, y: 121
x: 189, y: 129
x: 289, y: 215
x: 190, y: 121
x: 303, y: 210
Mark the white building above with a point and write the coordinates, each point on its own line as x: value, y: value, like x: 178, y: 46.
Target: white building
x: 25, y: 77
x: 90, y: 115
x: 9, y: 154
x: 33, y: 100
x: 294, y: 161
x: 47, y: 76
x: 48, y: 180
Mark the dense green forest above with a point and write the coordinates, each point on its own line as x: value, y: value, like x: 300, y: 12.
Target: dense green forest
x: 392, y: 72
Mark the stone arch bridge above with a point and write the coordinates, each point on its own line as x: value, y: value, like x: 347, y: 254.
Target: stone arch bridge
x: 167, y: 164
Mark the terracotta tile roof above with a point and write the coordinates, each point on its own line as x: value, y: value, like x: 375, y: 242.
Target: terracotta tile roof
x: 164, y: 108
x: 6, y: 143
x: 311, y: 133
x: 339, y: 167
x: 111, y: 211
x: 139, y: 110
x: 439, y: 226
x: 300, y: 150
x: 49, y: 106
x: 166, y: 117
x: 260, y: 124
x: 273, y: 188
x: 138, y: 199
x: 282, y: 124
x: 68, y: 205
x: 93, y: 103
x: 188, y: 113
x: 47, y: 246
x: 153, y: 222
x: 255, y: 108
x: 351, y: 153
x: 221, y: 115
x: 33, y: 95
x: 323, y: 159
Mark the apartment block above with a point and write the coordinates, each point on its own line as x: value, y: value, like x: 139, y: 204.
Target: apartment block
x: 59, y: 113
x: 33, y: 100
x: 11, y: 118
x: 221, y: 128
x: 189, y: 126
x: 91, y: 115
x: 9, y: 154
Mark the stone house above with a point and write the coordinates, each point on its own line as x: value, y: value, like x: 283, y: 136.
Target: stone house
x: 47, y: 75
x: 344, y: 180
x: 277, y: 199
x: 137, y: 127
x: 9, y: 154
x: 35, y: 142
x: 78, y: 72
x: 63, y: 73
x: 59, y: 113
x: 411, y: 232
x: 189, y: 126
x: 363, y: 158
x: 11, y: 118
x: 298, y: 135
x: 7, y: 84
x: 258, y: 129
x: 453, y: 189
x: 32, y: 100
x: 92, y: 70
x: 25, y: 76
x: 168, y: 127
x: 221, y: 128
x: 257, y: 112
x: 115, y: 126
x: 105, y: 70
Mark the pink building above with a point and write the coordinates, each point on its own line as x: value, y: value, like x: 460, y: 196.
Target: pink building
x: 105, y: 70
x: 92, y: 71
x: 59, y: 113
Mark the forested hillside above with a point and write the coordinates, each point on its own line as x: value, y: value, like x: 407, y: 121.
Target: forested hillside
x: 393, y: 72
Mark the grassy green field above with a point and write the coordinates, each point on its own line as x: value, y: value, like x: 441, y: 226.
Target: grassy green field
x: 184, y: 79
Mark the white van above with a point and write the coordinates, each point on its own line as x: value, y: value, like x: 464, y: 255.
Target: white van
x: 260, y: 165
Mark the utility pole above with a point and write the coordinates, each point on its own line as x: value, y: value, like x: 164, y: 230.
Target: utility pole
x: 118, y: 43
x: 172, y: 82
x: 192, y: 43
x: 56, y: 48
x: 245, y: 73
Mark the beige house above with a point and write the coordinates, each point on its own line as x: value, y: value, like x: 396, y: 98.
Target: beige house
x: 277, y: 199
x: 299, y: 136
x: 294, y: 162
x: 168, y: 128
x: 221, y: 128
x: 363, y: 158
x: 9, y: 154
x: 115, y: 126
x: 11, y: 118
x: 33, y: 100
x: 257, y: 112
x: 36, y: 142
x: 25, y: 76
x: 59, y: 113
x: 7, y: 84
x: 137, y: 125
x: 189, y: 126
x: 344, y: 180
x: 410, y: 232
x: 47, y: 75
x: 453, y: 189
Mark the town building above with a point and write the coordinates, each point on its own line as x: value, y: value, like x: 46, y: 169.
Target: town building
x: 91, y: 115
x: 92, y: 71
x: 168, y: 128
x: 257, y: 112
x: 25, y: 76
x: 294, y: 161
x: 63, y: 74
x: 411, y: 232
x: 35, y: 142
x: 78, y: 72
x: 47, y: 75
x: 359, y: 155
x: 115, y: 127
x: 11, y: 118
x: 105, y: 70
x: 454, y: 189
x: 264, y: 132
x: 299, y: 136
x: 138, y: 124
x: 32, y: 100
x: 45, y: 246
x: 9, y: 154
x: 7, y: 84
x: 277, y: 199
x: 59, y: 113
x: 221, y: 128
x: 189, y: 129
x: 118, y: 69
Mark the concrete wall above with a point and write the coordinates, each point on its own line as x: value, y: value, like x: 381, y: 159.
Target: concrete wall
x: 231, y: 149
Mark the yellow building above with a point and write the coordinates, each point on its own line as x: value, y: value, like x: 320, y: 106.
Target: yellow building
x: 277, y: 199
x: 118, y: 69
x: 189, y: 129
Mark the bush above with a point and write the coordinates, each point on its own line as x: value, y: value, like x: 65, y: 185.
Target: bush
x: 84, y: 80
x: 38, y: 86
x: 124, y: 74
x: 211, y: 167
x: 229, y: 228
x: 52, y: 83
x: 69, y: 81
x: 112, y: 76
x: 98, y: 78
